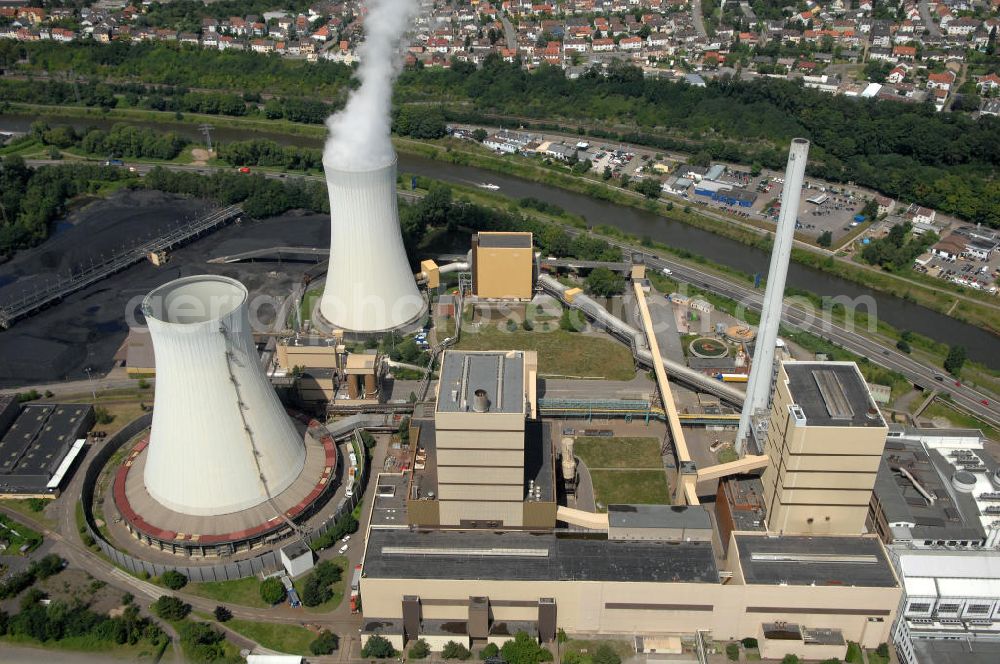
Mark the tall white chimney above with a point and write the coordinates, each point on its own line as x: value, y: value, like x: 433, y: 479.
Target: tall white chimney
x: 761, y: 373
x: 221, y: 441
x: 369, y: 284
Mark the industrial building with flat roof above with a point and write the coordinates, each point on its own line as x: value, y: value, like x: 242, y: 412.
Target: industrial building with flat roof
x: 38, y: 444
x: 824, y: 442
x: 474, y: 551
x: 503, y: 266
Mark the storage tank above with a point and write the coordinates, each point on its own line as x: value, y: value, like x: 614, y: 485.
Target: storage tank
x: 568, y: 462
x: 220, y: 440
x: 369, y: 284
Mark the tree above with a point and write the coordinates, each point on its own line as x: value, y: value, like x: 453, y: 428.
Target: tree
x: 169, y: 607
x: 571, y: 321
x: 272, y: 591
x: 420, y: 650
x: 606, y: 175
x: 733, y: 652
x: 955, y: 360
x: 903, y: 346
x: 378, y: 647
x: 825, y: 239
x: 649, y: 187
x: 453, y: 650
x: 479, y: 134
x: 325, y: 643
x: 491, y: 650
x: 173, y: 579
x: 222, y: 614
x: 605, y: 283
x: 790, y: 659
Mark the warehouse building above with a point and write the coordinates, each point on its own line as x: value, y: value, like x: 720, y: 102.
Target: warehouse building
x: 38, y: 445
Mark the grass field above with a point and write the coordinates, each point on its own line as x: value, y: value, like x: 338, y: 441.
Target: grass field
x: 560, y: 353
x: 338, y: 588
x: 629, y: 486
x: 24, y: 507
x: 245, y: 592
x: 289, y: 639
x: 959, y: 418
x: 308, y: 302
x: 16, y: 535
x: 624, y: 649
x: 619, y: 452
x: 144, y: 651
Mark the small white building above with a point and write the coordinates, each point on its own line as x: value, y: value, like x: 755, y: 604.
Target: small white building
x: 297, y: 558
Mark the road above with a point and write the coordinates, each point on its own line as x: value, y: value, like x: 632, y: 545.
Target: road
x: 925, y: 16
x: 510, y: 35
x: 881, y: 352
x: 697, y: 18
x: 64, y: 540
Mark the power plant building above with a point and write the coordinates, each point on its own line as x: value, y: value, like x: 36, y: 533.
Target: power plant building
x: 503, y: 265
x: 479, y: 449
x: 824, y: 445
x: 447, y: 557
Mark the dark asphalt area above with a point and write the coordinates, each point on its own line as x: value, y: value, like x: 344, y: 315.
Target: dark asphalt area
x: 88, y: 327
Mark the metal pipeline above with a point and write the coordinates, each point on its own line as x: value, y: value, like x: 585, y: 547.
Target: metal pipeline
x: 637, y: 342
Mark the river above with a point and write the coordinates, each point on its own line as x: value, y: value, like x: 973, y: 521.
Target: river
x: 980, y: 344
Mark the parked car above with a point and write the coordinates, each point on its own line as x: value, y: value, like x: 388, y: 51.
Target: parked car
x: 244, y: 169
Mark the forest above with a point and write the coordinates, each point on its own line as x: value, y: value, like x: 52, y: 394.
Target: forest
x: 946, y: 161
x: 31, y: 198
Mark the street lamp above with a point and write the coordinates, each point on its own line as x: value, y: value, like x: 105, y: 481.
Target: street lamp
x: 90, y: 379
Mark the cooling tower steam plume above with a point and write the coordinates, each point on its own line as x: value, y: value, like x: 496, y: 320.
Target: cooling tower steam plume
x: 359, y: 133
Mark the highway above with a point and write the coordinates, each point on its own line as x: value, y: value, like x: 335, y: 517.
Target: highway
x: 883, y: 354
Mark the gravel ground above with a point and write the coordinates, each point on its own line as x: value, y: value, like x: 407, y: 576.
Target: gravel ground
x: 87, y: 328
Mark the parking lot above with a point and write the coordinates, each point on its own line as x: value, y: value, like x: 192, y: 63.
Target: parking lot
x: 975, y: 274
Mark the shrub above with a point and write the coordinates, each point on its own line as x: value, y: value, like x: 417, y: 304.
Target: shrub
x: 128, y: 598
x: 491, y: 650
x: 173, y: 579
x: 882, y: 650
x: 168, y: 607
x: 790, y: 659
x: 733, y: 652
x: 325, y: 643
x: 37, y: 504
x: 605, y: 654
x: 378, y: 647
x: 102, y: 416
x: 453, y: 650
x: 749, y: 642
x: 420, y: 650
x: 271, y: 591
x: 561, y: 636
x: 222, y: 614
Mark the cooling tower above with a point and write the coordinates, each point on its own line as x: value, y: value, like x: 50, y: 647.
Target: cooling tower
x: 369, y: 285
x: 220, y: 439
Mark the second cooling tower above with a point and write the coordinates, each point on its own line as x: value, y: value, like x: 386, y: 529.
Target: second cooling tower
x: 369, y: 284
x: 221, y: 441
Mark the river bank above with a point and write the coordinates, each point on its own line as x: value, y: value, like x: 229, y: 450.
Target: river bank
x: 974, y: 308
x: 607, y: 209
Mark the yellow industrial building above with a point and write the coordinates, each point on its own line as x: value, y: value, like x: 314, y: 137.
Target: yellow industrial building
x: 824, y: 443
x: 503, y: 265
x: 464, y: 546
